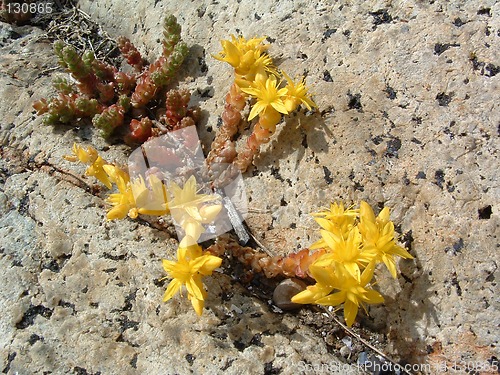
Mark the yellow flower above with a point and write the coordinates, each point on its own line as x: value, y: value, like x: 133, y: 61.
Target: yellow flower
x: 253, y: 44
x: 378, y: 237
x: 248, y: 59
x: 190, y: 210
x: 123, y: 202
x: 191, y: 265
x: 152, y: 200
x: 336, y: 220
x: 326, y: 281
x: 347, y: 252
x: 352, y: 293
x: 297, y: 94
x: 230, y: 53
x: 269, y: 97
x: 134, y: 197
x: 90, y: 156
x: 241, y: 53
x: 338, y: 214
x: 115, y: 173
x: 254, y: 67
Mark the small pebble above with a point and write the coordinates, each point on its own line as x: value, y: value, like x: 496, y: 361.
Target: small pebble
x: 284, y: 292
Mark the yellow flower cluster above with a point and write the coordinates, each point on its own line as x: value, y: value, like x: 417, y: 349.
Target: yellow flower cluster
x: 355, y: 241
x: 256, y: 76
x: 133, y: 197
x: 91, y: 157
x: 189, y: 209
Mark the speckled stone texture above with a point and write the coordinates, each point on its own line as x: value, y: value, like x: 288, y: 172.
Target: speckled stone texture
x: 408, y: 118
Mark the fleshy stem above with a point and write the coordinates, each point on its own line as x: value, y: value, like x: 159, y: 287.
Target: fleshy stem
x: 81, y: 70
x: 176, y: 103
x: 171, y: 34
x: 66, y: 107
x: 130, y: 53
x: 162, y: 70
x: 111, y: 118
x: 139, y: 131
x: 158, y: 75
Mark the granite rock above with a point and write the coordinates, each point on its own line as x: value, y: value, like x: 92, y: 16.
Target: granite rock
x: 408, y: 118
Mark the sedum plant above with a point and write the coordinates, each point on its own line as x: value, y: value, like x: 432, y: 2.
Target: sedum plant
x: 339, y: 267
x: 355, y: 242
x: 341, y: 264
x: 119, y: 100
x: 188, y: 207
x: 255, y: 80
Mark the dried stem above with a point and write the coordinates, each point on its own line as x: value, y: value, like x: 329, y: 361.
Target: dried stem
x: 293, y: 265
x: 363, y: 341
x: 223, y: 150
x: 258, y: 137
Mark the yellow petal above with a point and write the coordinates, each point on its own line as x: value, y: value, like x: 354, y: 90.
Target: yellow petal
x: 172, y: 289
x: 367, y: 274
x: 212, y: 262
x: 398, y: 250
x: 193, y: 229
x: 209, y: 212
x: 188, y: 242
x: 198, y: 305
x: 261, y: 75
x: 353, y: 269
x: 168, y: 265
x: 175, y: 192
x: 331, y: 240
x: 353, y: 297
x: 391, y: 265
x: 350, y: 312
x: 332, y: 299
x: 193, y: 212
x: 158, y: 212
x: 279, y: 106
x: 194, y: 287
x: 117, y: 212
x: 323, y: 275
x: 304, y: 297
x: 190, y: 184
x: 251, y: 91
x: 232, y: 54
x: 384, y: 214
x: 366, y: 212
x: 308, y: 103
x: 256, y: 109
x: 320, y: 244
x: 198, y: 263
x: 373, y: 297
x: 325, y: 224
x: 71, y: 158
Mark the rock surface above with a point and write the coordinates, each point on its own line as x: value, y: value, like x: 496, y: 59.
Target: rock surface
x: 408, y: 118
